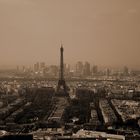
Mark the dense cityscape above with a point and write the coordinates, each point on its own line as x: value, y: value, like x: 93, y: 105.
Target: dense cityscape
x: 69, y: 70
x: 55, y: 102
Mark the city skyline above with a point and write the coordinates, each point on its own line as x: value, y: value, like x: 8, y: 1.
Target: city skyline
x: 72, y: 65
x: 105, y: 33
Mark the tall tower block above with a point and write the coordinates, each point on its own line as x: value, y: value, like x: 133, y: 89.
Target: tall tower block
x: 61, y: 82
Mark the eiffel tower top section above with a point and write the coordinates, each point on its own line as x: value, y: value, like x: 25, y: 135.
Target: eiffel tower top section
x: 61, y: 63
x: 61, y: 82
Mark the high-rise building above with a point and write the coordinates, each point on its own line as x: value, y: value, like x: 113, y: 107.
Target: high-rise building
x: 23, y: 69
x: 87, y: 69
x: 79, y: 68
x: 17, y: 68
x: 36, y: 67
x: 108, y: 72
x: 42, y: 65
x: 54, y: 70
x: 125, y: 70
x: 94, y: 70
x: 67, y: 69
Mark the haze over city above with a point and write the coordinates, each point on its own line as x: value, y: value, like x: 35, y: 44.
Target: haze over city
x: 104, y: 32
x: 69, y: 69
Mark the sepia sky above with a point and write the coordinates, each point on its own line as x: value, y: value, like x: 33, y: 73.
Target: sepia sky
x: 103, y: 32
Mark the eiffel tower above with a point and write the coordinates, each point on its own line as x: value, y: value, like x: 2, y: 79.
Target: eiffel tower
x: 61, y: 81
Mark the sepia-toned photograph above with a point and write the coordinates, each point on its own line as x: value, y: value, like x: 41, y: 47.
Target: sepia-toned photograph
x: 69, y: 69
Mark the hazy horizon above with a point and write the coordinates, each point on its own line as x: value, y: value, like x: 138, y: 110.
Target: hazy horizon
x: 103, y: 32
